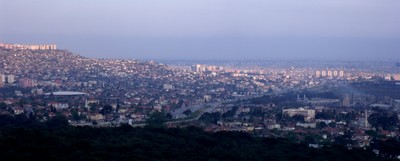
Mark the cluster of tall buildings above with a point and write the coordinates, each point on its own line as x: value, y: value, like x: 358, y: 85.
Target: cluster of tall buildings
x: 28, y: 47
x: 329, y: 73
x: 23, y: 82
x: 6, y: 79
x: 204, y: 68
x: 395, y: 77
x: 27, y: 83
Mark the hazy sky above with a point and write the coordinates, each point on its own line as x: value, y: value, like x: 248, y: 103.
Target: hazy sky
x: 208, y: 29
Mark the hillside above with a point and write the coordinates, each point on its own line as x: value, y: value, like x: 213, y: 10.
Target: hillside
x: 40, y: 64
x: 22, y: 139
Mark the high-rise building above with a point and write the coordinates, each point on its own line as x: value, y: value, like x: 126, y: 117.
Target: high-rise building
x: 201, y: 68
x: 330, y: 73
x: 335, y: 73
x: 196, y: 68
x: 2, y: 78
x: 323, y: 73
x: 10, y: 79
x: 346, y: 101
x: 318, y: 73
x: 27, y: 83
x: 388, y: 77
x: 341, y: 73
x: 396, y: 77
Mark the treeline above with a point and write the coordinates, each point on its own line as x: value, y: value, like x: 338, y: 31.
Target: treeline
x: 24, y: 139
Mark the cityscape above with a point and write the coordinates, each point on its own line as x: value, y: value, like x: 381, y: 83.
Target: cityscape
x: 317, y: 103
x: 200, y: 80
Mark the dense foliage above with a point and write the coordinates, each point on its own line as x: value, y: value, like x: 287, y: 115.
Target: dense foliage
x: 382, y: 119
x: 24, y: 139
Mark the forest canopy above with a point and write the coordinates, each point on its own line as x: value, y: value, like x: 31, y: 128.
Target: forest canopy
x: 24, y: 139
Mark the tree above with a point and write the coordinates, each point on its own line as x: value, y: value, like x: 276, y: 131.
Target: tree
x: 3, y: 106
x: 389, y: 148
x: 332, y: 124
x: 187, y: 112
x: 324, y: 115
x: 308, y: 139
x: 107, y: 109
x: 92, y: 106
x: 210, y: 118
x: 168, y: 116
x: 22, y: 102
x: 157, y: 119
x: 321, y: 125
x: 75, y: 116
x: 384, y: 120
x: 57, y: 122
x: 53, y: 109
x: 371, y: 133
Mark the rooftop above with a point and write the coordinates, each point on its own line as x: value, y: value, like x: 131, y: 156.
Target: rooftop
x: 66, y: 93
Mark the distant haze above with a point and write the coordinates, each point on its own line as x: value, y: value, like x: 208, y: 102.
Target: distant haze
x: 208, y: 29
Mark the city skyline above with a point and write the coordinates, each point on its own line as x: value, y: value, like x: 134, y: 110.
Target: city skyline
x: 208, y: 29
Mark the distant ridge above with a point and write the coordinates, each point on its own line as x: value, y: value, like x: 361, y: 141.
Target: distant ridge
x: 64, y: 61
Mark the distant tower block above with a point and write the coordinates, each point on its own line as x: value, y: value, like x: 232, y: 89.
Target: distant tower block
x: 196, y: 68
x: 53, y: 47
x: 323, y: 73
x: 330, y: 73
x: 396, y: 77
x: 2, y: 78
x: 388, y: 77
x: 318, y: 73
x: 341, y: 73
x: 346, y: 101
x: 10, y: 79
x: 335, y: 73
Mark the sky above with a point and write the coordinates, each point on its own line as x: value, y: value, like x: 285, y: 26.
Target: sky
x: 208, y: 29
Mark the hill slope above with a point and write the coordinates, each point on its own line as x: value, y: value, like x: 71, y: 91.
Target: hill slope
x: 21, y: 139
x: 57, y: 63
